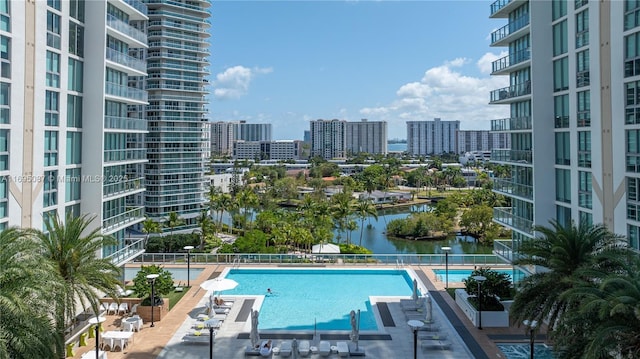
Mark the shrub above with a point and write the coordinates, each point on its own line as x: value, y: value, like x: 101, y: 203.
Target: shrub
x: 163, y: 284
x: 496, y: 287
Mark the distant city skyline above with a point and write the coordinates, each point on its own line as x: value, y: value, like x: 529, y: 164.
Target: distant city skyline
x: 290, y: 62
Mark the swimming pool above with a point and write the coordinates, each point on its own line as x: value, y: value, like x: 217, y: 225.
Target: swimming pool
x: 304, y: 299
x: 457, y: 275
x: 521, y: 351
x: 178, y: 274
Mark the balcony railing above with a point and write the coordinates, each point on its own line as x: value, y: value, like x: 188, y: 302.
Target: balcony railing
x: 513, y: 156
x: 121, y: 26
x: 125, y: 123
x: 510, y: 60
x: 133, y: 93
x: 128, y: 253
x: 129, y: 216
x: 510, y: 28
x: 511, y: 92
x: 503, y: 248
x: 138, y: 5
x: 508, y: 187
x: 498, y: 5
x: 511, y: 124
x: 177, y: 4
x: 126, y: 60
x: 504, y: 216
x: 582, y: 78
x: 134, y: 184
x: 128, y: 154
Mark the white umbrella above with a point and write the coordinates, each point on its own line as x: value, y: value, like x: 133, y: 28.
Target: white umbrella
x: 325, y: 248
x: 355, y: 331
x: 414, y: 295
x: 428, y: 309
x: 254, y: 336
x: 216, y: 285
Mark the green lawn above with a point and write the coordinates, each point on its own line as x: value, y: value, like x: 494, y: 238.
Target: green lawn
x: 174, y: 297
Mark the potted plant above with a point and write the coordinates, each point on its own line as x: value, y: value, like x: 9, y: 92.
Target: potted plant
x: 142, y: 289
x: 496, y: 286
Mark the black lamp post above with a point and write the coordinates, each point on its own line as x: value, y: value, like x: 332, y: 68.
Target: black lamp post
x: 415, y: 325
x: 446, y: 265
x: 210, y: 324
x: 531, y: 325
x: 152, y: 279
x: 480, y: 279
x: 97, y: 321
x: 188, y: 249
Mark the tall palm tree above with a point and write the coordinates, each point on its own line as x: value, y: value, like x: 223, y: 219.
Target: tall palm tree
x: 567, y: 253
x: 364, y: 209
x: 207, y: 226
x: 150, y: 226
x: 173, y: 220
x: 72, y: 247
x: 25, y: 294
x: 342, y: 210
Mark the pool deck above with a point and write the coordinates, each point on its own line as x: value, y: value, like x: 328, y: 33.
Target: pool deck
x: 164, y: 340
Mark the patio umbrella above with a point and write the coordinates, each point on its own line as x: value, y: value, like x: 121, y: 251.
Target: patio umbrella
x: 355, y: 330
x: 414, y: 295
x: 325, y: 248
x: 254, y: 336
x: 217, y: 285
x: 428, y: 309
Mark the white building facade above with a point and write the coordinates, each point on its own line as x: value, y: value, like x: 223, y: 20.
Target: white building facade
x: 366, y: 137
x: 267, y: 150
x: 431, y: 137
x: 481, y: 140
x: 222, y: 137
x: 328, y: 138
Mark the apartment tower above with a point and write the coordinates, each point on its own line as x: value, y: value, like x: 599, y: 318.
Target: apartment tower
x: 565, y: 164
x: 367, y: 136
x: 178, y: 143
x: 328, y: 138
x: 431, y: 137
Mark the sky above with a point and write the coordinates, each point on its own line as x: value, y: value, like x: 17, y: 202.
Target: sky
x: 290, y: 62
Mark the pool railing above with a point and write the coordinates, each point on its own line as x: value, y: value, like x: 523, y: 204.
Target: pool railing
x: 237, y: 259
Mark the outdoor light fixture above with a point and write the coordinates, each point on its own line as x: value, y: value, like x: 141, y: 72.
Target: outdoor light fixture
x: 152, y: 279
x: 188, y: 249
x: 210, y: 324
x: 97, y: 321
x: 415, y: 325
x: 531, y: 325
x: 446, y: 251
x: 480, y: 279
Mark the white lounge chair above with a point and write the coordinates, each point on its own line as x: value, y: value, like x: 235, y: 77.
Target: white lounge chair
x: 197, y: 337
x: 113, y: 308
x: 285, y: 348
x: 432, y: 335
x: 304, y: 348
x: 123, y: 308
x: 124, y: 293
x: 324, y: 348
x: 343, y: 349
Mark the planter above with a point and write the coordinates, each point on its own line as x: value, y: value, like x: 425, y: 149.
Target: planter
x: 493, y: 319
x: 144, y: 311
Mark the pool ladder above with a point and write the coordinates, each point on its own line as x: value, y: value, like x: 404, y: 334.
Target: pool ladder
x: 236, y: 262
x: 399, y: 263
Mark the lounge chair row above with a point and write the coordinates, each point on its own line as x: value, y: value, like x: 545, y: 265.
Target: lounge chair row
x: 285, y: 349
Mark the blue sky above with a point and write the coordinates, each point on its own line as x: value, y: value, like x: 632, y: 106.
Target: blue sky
x: 289, y: 62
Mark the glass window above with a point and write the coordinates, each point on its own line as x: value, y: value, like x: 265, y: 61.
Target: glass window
x: 582, y: 29
x: 48, y: 217
x: 72, y: 184
x: 54, y: 4
x: 586, y: 218
x: 72, y: 210
x: 561, y: 74
x: 584, y: 149
x: 76, y: 9
x: 5, y: 23
x: 4, y: 150
x: 5, y: 57
x: 584, y: 189
x: 74, y: 148
x: 50, y: 148
x: 560, y: 38
x: 561, y: 111
x: 53, y: 30
x: 50, y: 192
x: 75, y: 75
x: 563, y: 149
x: 584, y: 108
x: 631, y: 14
x: 563, y: 185
x: 4, y: 196
x: 53, y: 69
x: 582, y: 74
x: 559, y: 9
x: 52, y: 108
x: 563, y: 215
x: 76, y: 39
x: 5, y: 113
x: 74, y: 111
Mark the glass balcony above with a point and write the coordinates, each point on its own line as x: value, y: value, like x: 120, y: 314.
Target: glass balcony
x: 121, y: 26
x: 126, y: 60
x: 125, y: 123
x: 513, y: 156
x: 130, y: 216
x: 506, y: 93
x: 127, y: 154
x: 128, y: 253
x: 166, y: 54
x: 508, y: 187
x: 510, y: 28
x: 511, y: 60
x: 177, y: 4
x: 511, y: 124
x: 171, y: 24
x: 131, y: 185
x: 138, y: 5
x: 499, y: 5
x: 125, y: 91
x: 503, y: 249
x: 504, y: 216
x: 172, y: 45
x: 582, y: 78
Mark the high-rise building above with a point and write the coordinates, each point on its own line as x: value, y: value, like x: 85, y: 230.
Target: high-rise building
x: 252, y: 131
x: 367, y: 136
x: 567, y: 141
x: 431, y: 137
x: 222, y: 137
x: 267, y: 150
x: 328, y: 138
x: 178, y: 142
x: 72, y: 122
x: 481, y: 140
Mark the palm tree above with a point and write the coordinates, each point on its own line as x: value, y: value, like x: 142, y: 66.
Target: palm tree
x: 150, y: 226
x: 567, y: 253
x: 173, y: 220
x: 206, y: 227
x: 342, y: 209
x: 25, y: 293
x: 364, y: 209
x: 71, y: 248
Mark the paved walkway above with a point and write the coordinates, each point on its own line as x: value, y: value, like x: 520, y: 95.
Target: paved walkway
x: 164, y: 340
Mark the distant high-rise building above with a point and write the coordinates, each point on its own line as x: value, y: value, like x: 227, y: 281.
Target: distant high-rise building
x: 222, y: 137
x: 178, y: 142
x: 328, y: 138
x: 366, y: 136
x: 481, y: 140
x: 267, y: 150
x: 307, y: 136
x: 431, y: 137
x: 252, y: 131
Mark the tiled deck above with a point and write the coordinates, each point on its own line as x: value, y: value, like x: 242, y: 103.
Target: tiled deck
x: 164, y: 340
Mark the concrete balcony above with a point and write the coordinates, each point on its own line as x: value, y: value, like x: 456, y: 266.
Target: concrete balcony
x: 512, y: 156
x: 502, y: 8
x: 511, y: 93
x: 511, y: 124
x: 513, y: 29
x: 508, y: 187
x: 512, y: 62
x: 129, y: 217
x: 505, y: 217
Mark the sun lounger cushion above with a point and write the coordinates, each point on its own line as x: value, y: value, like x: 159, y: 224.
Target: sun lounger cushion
x: 343, y: 349
x: 252, y: 352
x: 285, y: 348
x: 435, y: 344
x: 304, y: 347
x: 324, y: 348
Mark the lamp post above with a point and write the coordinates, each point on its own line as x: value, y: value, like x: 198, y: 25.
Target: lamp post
x: 480, y: 279
x: 415, y: 325
x: 446, y: 265
x: 188, y: 249
x: 531, y: 325
x: 152, y: 279
x: 210, y: 325
x: 97, y: 321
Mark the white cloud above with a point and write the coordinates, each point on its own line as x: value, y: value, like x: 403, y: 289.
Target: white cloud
x: 234, y: 82
x: 446, y: 92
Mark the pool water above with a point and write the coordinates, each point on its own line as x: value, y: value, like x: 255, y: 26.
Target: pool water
x: 457, y: 275
x: 178, y: 274
x: 522, y: 351
x: 318, y: 299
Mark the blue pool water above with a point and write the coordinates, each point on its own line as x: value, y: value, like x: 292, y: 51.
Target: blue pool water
x: 325, y: 297
x: 457, y: 275
x: 521, y: 351
x: 177, y: 273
